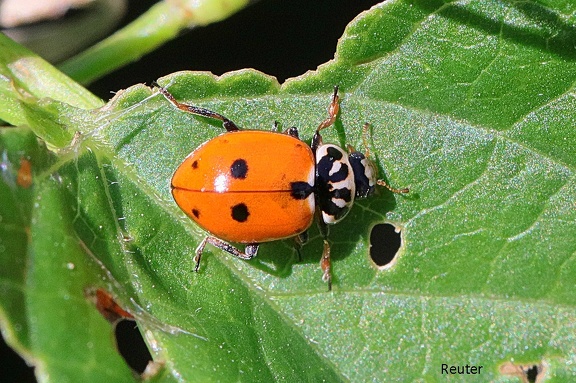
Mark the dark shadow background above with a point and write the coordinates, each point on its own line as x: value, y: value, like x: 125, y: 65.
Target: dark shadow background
x: 280, y: 38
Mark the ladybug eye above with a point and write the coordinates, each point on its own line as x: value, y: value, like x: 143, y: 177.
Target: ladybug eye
x: 365, y: 174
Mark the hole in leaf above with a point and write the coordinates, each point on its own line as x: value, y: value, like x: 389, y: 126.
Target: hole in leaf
x: 528, y: 373
x: 13, y: 367
x: 129, y: 341
x: 532, y: 374
x: 131, y: 345
x: 385, y: 241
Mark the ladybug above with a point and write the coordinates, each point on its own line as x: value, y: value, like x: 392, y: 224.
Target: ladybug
x: 253, y: 186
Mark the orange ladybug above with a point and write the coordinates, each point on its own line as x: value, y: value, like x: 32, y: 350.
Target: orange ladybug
x: 253, y: 186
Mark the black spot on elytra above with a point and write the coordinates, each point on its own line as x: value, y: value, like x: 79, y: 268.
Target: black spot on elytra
x: 196, y: 213
x: 240, y: 212
x: 195, y: 165
x: 239, y: 169
x: 300, y: 190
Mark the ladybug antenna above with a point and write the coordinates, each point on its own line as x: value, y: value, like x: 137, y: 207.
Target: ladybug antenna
x: 365, y: 132
x: 393, y: 190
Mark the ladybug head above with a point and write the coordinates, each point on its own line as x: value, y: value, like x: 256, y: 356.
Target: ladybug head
x: 365, y: 173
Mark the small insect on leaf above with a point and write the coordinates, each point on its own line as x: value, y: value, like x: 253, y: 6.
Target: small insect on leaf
x: 24, y: 176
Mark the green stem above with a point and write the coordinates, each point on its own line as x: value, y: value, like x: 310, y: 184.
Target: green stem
x: 158, y: 25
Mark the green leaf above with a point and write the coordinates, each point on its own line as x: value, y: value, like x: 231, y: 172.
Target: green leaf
x: 45, y: 270
x: 26, y: 80
x: 25, y: 74
x: 471, y: 106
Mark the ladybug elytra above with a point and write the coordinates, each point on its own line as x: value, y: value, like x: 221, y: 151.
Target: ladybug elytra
x: 253, y: 186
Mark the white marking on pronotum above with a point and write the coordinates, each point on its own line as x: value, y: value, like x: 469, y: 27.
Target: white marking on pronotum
x: 336, y: 166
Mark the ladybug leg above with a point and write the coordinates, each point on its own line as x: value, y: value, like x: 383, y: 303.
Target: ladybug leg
x: 316, y: 142
x: 228, y: 125
x: 250, y: 251
x: 355, y: 154
x: 325, y: 262
x: 300, y: 240
x: 333, y: 111
x: 365, y: 131
x: 303, y: 237
x: 326, y: 265
x: 293, y: 131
